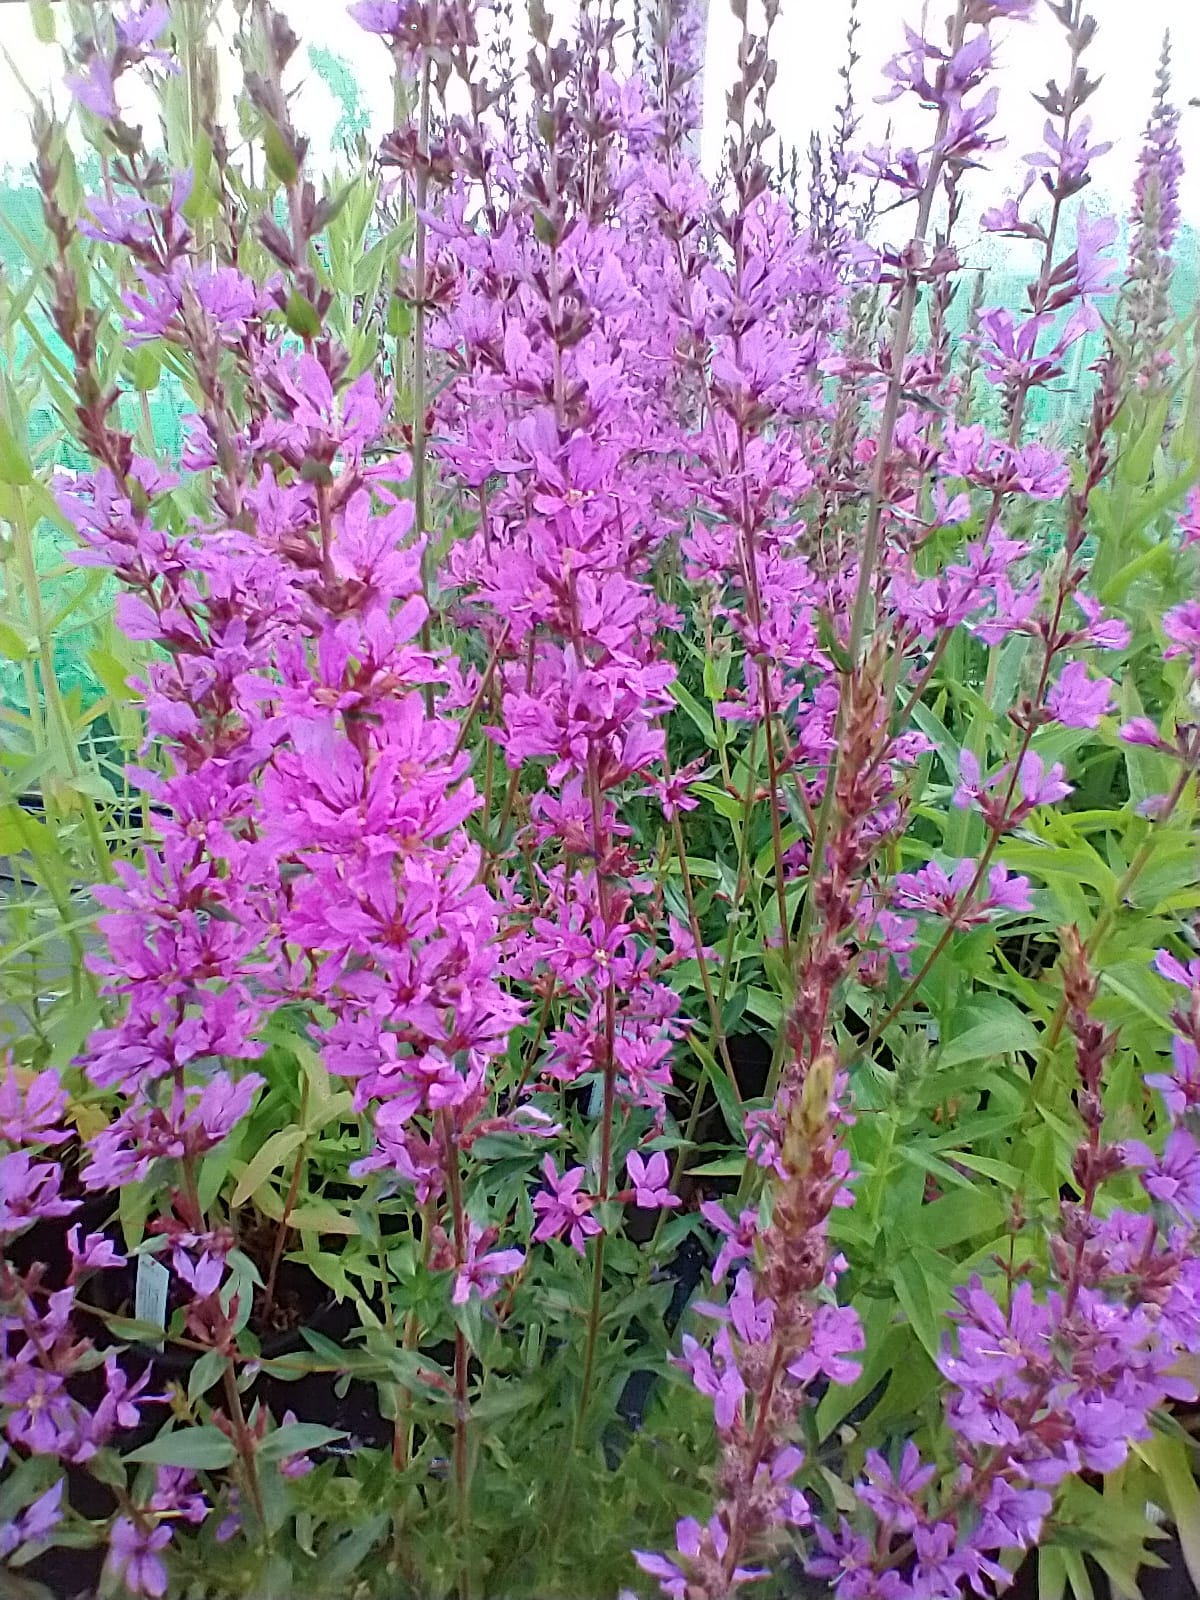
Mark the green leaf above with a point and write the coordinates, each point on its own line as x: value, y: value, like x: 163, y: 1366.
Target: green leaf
x: 13, y: 646
x: 923, y: 1290
x: 112, y: 673
x: 726, y: 1167
x: 722, y: 801
x: 956, y: 1217
x: 724, y: 1088
x: 1135, y: 463
x: 143, y: 368
x: 272, y: 1156
x: 506, y: 1399
x: 204, y: 1449
x: 280, y: 156
x: 347, y: 1554
x: 294, y: 1438
x: 765, y: 1005
x: 41, y: 14
x: 1169, y: 1458
x: 301, y: 316
x: 696, y: 711
x: 15, y: 466
x: 322, y: 1216
x: 207, y: 1371
x: 1052, y: 1574
x: 999, y: 1035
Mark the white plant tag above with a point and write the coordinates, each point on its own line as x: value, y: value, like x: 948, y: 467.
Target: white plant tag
x: 150, y: 1292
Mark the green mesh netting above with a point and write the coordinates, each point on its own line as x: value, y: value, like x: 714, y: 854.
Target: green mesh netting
x: 1059, y: 409
x: 22, y: 232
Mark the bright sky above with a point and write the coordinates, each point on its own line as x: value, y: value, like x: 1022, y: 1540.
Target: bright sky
x: 809, y: 47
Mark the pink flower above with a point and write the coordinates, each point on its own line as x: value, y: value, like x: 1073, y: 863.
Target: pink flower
x: 31, y: 1115
x: 1180, y: 1089
x: 134, y: 1557
x: 1078, y: 701
x: 1102, y: 633
x: 1174, y: 1177
x: 564, y: 1206
x: 94, y: 86
x: 1038, y: 787
x: 1189, y: 523
x: 716, y: 1375
x: 481, y: 1274
x: 1182, y: 626
x: 836, y: 1334
x: 1175, y: 971
x: 96, y: 1252
x: 36, y: 1522
x: 1144, y: 732
x: 932, y: 889
x: 739, y: 1237
x: 650, y: 1180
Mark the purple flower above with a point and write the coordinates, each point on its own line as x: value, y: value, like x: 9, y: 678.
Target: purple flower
x: 836, y: 1333
x: 892, y: 1496
x: 175, y: 1493
x: 1189, y: 522
x: 29, y: 1189
x: 1180, y: 1089
x: 385, y: 17
x: 42, y: 1416
x: 739, y: 1237
x: 1175, y: 971
x: 1174, y: 1177
x: 1036, y: 786
x: 480, y: 1274
x: 651, y: 1180
x: 142, y: 24
x: 119, y: 1406
x: 31, y: 1115
x: 96, y: 1252
x: 1078, y: 701
x: 1007, y: 891
x: 564, y: 1206
x: 672, y: 1579
x: 1156, y: 215
x: 716, y: 1375
x: 691, y: 1540
x: 36, y: 1522
x: 1102, y: 633
x: 94, y: 87
x: 1012, y: 1517
x: 134, y: 1559
x: 1182, y: 626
